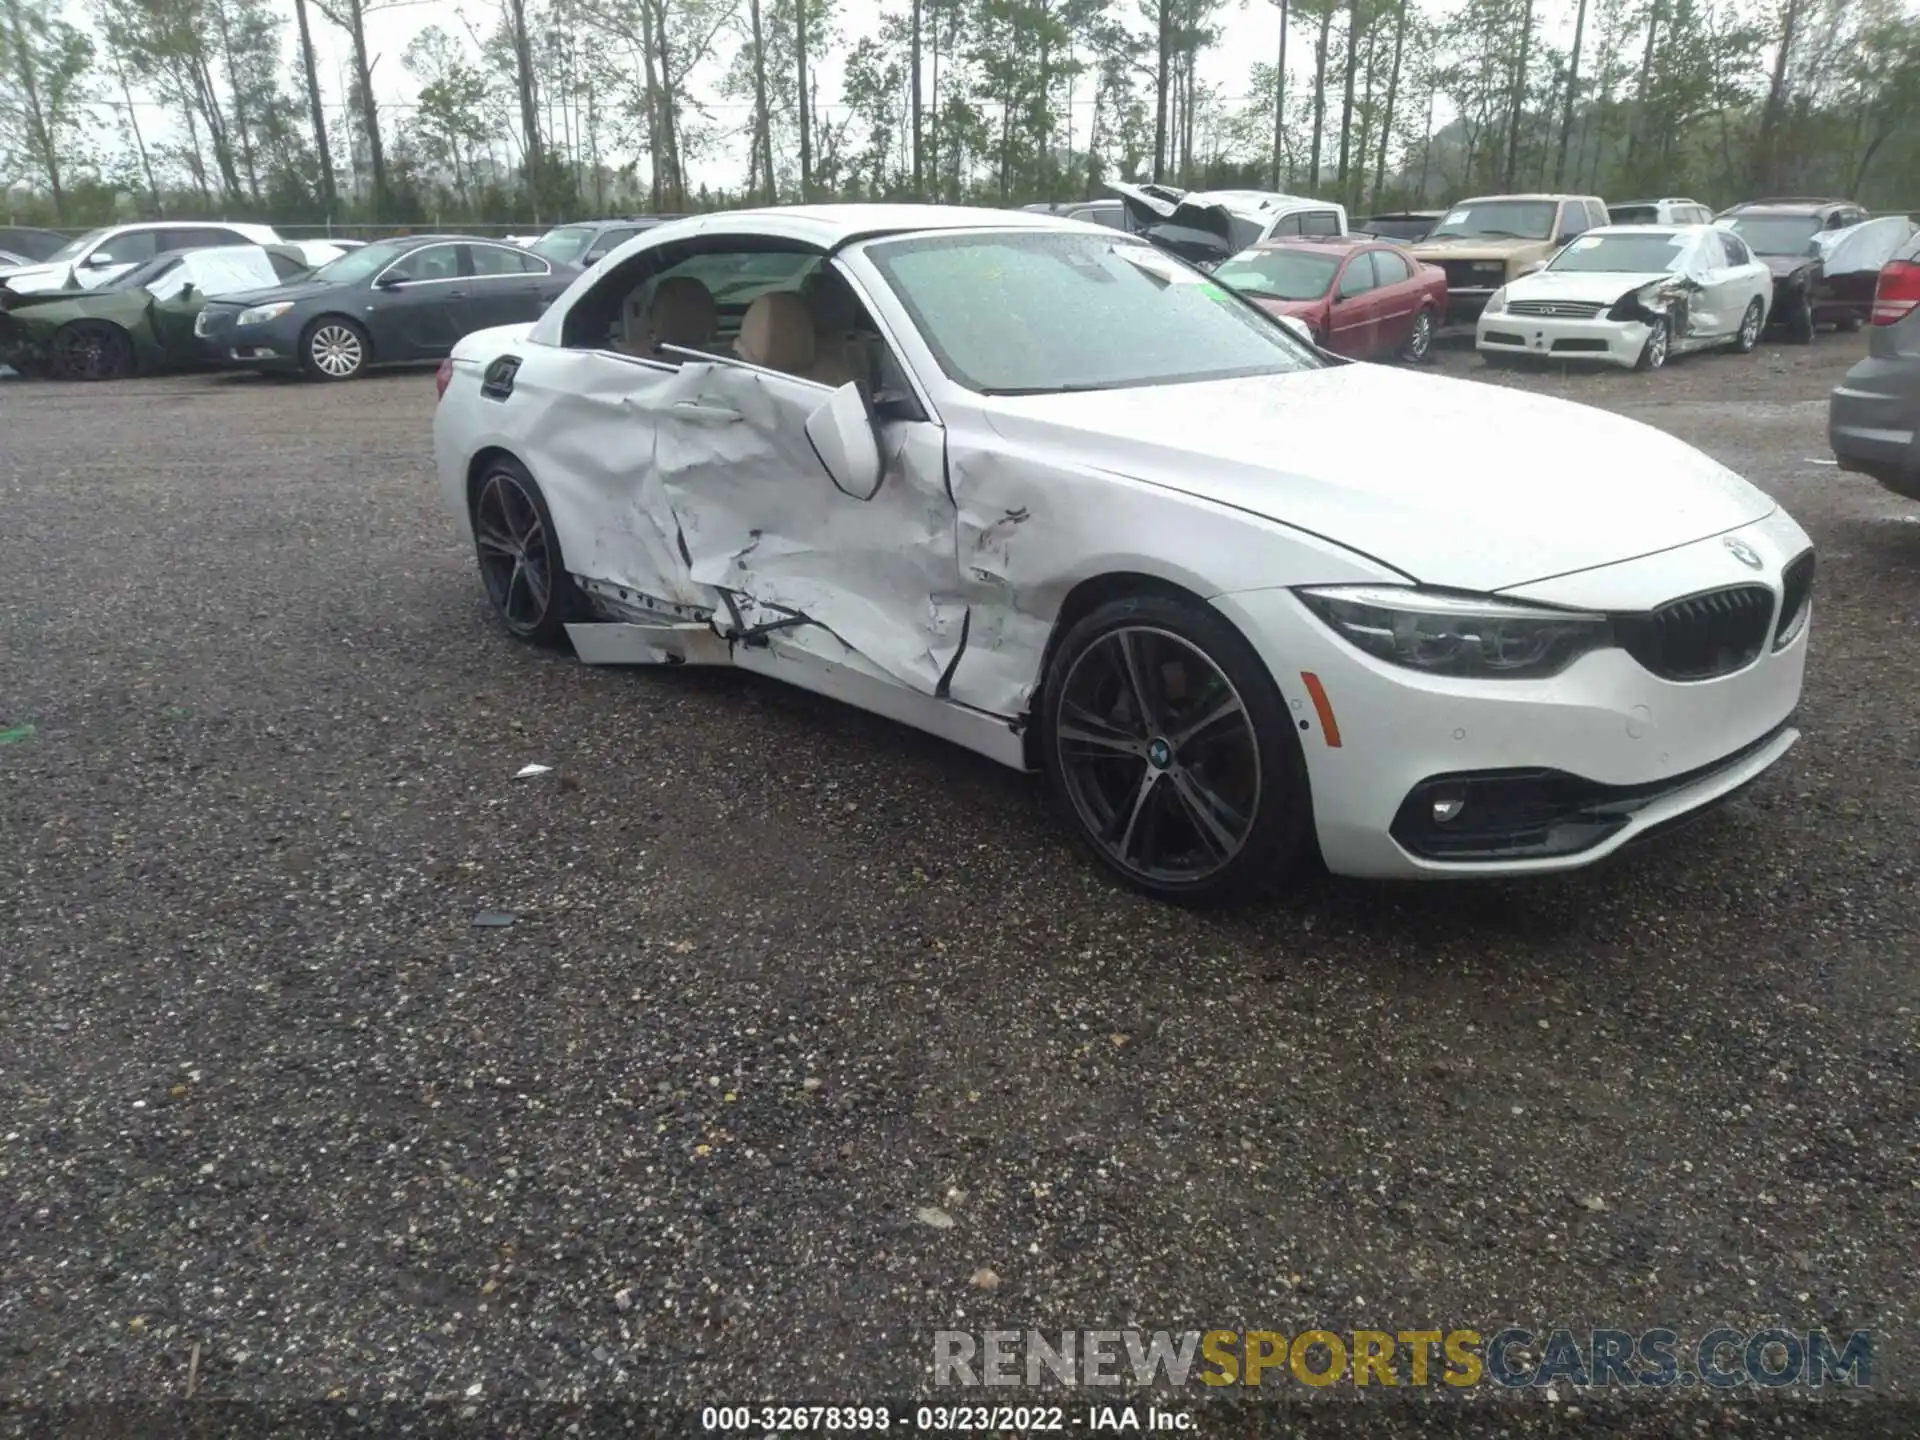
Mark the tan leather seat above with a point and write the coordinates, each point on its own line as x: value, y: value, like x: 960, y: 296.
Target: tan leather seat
x: 777, y: 333
x: 681, y: 312
x: 839, y: 326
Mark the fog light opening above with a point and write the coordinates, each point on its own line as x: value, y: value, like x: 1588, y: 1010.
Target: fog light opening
x: 1447, y: 804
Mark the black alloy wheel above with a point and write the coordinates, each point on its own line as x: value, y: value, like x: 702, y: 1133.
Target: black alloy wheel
x: 92, y: 350
x: 1169, y: 745
x: 520, y: 563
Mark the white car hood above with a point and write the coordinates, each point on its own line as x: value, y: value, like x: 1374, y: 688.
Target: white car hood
x: 1452, y: 482
x: 32, y: 279
x: 1601, y: 287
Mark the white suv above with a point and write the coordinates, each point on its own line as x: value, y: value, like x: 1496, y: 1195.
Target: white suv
x: 96, y: 257
x: 1660, y: 212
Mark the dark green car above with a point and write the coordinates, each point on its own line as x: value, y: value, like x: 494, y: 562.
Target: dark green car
x: 142, y: 321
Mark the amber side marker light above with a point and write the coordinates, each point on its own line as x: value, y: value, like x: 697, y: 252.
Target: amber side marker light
x: 1329, y: 727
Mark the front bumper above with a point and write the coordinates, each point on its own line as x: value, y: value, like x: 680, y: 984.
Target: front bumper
x: 1608, y: 342
x: 1648, y: 750
x: 1465, y: 302
x: 1870, y: 423
x: 272, y: 346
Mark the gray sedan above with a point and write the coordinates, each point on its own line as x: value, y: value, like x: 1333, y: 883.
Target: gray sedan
x: 1875, y: 413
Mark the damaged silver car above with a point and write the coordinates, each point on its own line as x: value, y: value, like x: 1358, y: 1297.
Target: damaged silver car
x: 1632, y: 296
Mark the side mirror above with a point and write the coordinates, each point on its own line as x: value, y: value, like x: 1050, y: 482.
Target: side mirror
x: 1299, y: 329
x: 388, y: 282
x: 99, y: 259
x: 843, y: 437
x: 186, y: 291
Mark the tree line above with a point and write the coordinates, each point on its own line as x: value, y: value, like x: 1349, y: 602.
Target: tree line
x: 546, y: 109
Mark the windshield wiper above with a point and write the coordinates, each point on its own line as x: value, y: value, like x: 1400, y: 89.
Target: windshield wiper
x: 1074, y: 389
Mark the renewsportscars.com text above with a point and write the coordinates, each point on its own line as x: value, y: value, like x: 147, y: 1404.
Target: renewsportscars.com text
x: 1721, y: 1358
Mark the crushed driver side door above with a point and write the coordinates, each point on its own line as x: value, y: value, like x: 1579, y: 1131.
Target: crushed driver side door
x: 802, y: 567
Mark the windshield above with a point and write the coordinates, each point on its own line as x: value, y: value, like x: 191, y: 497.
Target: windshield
x: 1042, y: 312
x: 1632, y: 254
x: 143, y: 274
x: 564, y: 245
x: 361, y: 264
x: 1498, y: 220
x: 1280, y: 274
x: 1776, y: 234
x: 74, y: 249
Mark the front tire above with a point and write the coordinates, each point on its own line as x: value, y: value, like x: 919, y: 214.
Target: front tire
x: 1168, y: 745
x: 1654, y: 353
x: 521, y: 567
x: 1420, y: 343
x: 1748, y: 335
x: 92, y: 350
x: 334, y: 348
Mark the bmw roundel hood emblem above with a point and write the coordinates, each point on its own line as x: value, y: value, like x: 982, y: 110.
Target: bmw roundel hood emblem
x: 1745, y: 554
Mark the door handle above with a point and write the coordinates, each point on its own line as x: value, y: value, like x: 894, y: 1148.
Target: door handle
x: 456, y: 294
x: 719, y: 414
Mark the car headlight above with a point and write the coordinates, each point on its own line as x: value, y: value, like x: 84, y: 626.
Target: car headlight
x: 1497, y: 302
x: 261, y: 314
x: 1471, y: 636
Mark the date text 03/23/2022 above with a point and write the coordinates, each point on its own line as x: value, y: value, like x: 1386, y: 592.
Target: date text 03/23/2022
x: 946, y: 1419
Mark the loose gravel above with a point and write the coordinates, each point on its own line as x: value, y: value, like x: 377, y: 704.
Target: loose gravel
x: 723, y: 1059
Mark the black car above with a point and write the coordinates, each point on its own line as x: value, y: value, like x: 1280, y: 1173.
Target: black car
x: 1805, y: 296
x: 392, y: 301
x: 586, y: 242
x: 31, y: 244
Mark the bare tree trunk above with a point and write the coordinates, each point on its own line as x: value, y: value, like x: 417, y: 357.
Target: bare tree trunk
x: 658, y: 182
x: 1393, y: 92
x: 1280, y: 97
x: 1426, y: 146
x: 1346, y: 100
x: 40, y: 134
x: 669, y: 126
x: 1319, y: 93
x: 1160, y: 94
x: 239, y: 104
x: 1766, y: 159
x: 1573, y: 91
x: 806, y: 102
x: 919, y: 174
x: 527, y: 94
x: 1646, y: 84
x: 1518, y: 103
x: 139, y: 141
x: 762, y: 124
x: 933, y: 115
x: 318, y: 112
x: 1359, y: 187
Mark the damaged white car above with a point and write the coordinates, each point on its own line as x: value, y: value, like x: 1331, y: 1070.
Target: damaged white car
x: 1045, y: 491
x: 1633, y: 296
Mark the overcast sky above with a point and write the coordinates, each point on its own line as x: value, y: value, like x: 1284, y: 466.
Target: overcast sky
x: 1251, y: 33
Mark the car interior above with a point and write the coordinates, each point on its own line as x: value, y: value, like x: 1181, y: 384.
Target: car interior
x: 781, y: 311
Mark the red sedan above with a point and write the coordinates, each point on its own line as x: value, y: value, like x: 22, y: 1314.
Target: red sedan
x: 1361, y: 297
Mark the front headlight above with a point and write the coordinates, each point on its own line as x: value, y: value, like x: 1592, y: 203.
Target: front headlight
x: 1497, y: 302
x: 261, y: 314
x: 1471, y: 636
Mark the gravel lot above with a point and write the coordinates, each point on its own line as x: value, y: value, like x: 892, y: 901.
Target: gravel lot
x: 785, y: 975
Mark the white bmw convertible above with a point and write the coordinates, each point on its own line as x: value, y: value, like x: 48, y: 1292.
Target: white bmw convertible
x: 1046, y: 491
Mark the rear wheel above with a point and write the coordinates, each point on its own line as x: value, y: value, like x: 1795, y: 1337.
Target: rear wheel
x: 92, y: 350
x: 334, y: 348
x: 1168, y: 744
x: 1654, y: 353
x: 1420, y: 342
x: 1749, y: 333
x: 1849, y: 324
x: 520, y: 562
x: 1800, y: 320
